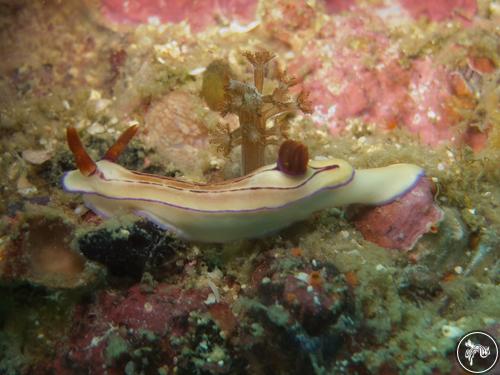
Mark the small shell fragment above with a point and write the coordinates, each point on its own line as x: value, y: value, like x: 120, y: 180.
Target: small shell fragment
x: 197, y: 71
x: 36, y: 157
x: 237, y: 28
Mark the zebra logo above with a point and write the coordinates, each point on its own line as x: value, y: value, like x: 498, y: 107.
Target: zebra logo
x: 477, y: 352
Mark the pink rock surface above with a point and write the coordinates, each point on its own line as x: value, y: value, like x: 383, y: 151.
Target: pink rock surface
x: 199, y: 13
x: 337, y: 6
x: 164, y: 310
x: 428, y: 114
x: 343, y: 85
x: 399, y: 225
x: 440, y: 10
x: 351, y: 66
x: 154, y: 311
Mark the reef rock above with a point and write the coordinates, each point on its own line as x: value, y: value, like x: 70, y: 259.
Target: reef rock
x: 128, y: 330
x: 399, y: 224
x: 40, y: 254
x: 199, y: 14
x: 128, y: 250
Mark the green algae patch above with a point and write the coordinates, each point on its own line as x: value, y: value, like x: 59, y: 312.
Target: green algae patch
x: 116, y: 347
x: 278, y: 315
x: 32, y: 319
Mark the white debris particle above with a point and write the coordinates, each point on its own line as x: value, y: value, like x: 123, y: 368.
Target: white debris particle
x: 380, y: 267
x: 215, y: 275
x: 458, y: 270
x: 100, y: 104
x: 197, y: 71
x: 214, y: 289
x: 237, y: 28
x: 124, y: 233
x: 441, y: 167
x: 80, y: 209
x: 302, y: 276
x: 431, y: 114
x: 276, y: 13
x: 344, y: 234
x: 320, y: 117
x: 210, y: 299
x: 148, y: 307
x: 154, y: 21
x: 169, y: 49
x: 96, y: 128
x: 94, y: 95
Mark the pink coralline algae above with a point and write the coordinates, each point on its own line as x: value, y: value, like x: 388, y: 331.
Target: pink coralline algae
x: 305, y: 306
x: 431, y: 9
x: 337, y: 6
x: 199, y: 14
x: 343, y: 86
x: 440, y: 10
x: 119, y: 321
x: 399, y: 225
x: 354, y: 69
x: 140, y: 309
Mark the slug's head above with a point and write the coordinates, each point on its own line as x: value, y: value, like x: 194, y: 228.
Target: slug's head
x: 84, y: 162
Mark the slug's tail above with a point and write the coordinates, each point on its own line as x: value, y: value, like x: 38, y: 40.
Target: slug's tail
x: 83, y: 161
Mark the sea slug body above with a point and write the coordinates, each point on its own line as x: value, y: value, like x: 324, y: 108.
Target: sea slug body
x: 250, y: 206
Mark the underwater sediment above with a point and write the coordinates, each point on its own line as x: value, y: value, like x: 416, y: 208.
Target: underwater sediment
x: 213, y: 90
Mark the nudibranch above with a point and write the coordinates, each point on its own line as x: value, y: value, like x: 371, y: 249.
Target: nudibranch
x: 257, y: 204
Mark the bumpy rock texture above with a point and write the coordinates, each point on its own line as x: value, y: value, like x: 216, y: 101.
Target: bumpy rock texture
x: 399, y: 224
